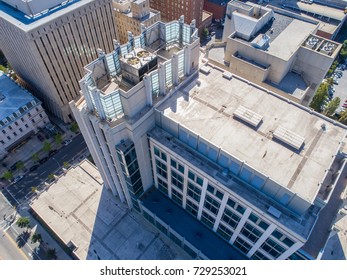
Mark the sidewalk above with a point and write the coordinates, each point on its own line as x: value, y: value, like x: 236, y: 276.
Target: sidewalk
x: 47, y: 241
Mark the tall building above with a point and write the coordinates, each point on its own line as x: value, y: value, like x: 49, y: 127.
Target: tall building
x: 21, y: 114
x: 225, y: 168
x: 130, y: 15
x: 173, y: 9
x: 48, y: 44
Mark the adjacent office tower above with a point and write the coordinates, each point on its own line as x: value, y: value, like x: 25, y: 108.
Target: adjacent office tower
x: 130, y: 15
x: 225, y: 168
x: 173, y: 9
x: 48, y: 43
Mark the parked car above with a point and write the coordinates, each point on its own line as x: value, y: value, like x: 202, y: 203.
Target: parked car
x: 67, y: 142
x: 17, y: 179
x: 40, y: 137
x: 52, y: 153
x: 34, y: 167
x: 43, y: 160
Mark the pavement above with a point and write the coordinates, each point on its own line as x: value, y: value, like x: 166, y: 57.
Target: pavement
x: 22, y: 190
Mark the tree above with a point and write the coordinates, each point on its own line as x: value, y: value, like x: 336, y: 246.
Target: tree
x: 33, y: 189
x: 36, y: 238
x: 319, y: 97
x: 3, y: 69
x: 35, y: 157
x: 23, y: 222
x: 66, y: 164
x: 8, y: 175
x: 343, y: 117
x: 50, y: 177
x: 47, y: 146
x: 74, y: 127
x: 51, y: 254
x: 332, y: 106
x: 20, y: 165
x: 58, y: 138
x: 205, y: 32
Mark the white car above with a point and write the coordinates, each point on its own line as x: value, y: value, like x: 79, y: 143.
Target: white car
x: 17, y: 179
x: 67, y: 142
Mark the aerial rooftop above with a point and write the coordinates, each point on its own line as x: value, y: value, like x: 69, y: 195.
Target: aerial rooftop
x: 83, y: 214
x: 33, y: 13
x: 13, y: 97
x: 287, y: 142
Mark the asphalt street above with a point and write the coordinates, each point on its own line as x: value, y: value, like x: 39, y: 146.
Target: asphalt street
x: 19, y: 192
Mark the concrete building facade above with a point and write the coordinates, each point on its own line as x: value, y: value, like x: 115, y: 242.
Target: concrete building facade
x: 277, y: 49
x: 207, y: 162
x: 21, y: 114
x: 173, y: 9
x: 130, y: 15
x: 48, y: 45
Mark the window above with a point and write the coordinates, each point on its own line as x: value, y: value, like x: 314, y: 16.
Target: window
x: 259, y: 256
x: 192, y: 208
x: 273, y: 248
x: 242, y: 245
x: 251, y: 233
x: 214, y: 191
x: 255, y: 219
x: 3, y: 131
x: 224, y: 232
x: 41, y: 116
x: 177, y: 180
x: 33, y: 120
x: 22, y: 119
x: 176, y: 196
x: 192, y: 176
x: 211, y: 204
x: 159, y: 153
x: 2, y: 142
x: 231, y: 218
x: 207, y: 219
x: 281, y: 237
x: 16, y: 123
x: 194, y: 191
x: 177, y: 166
x: 8, y: 137
x: 161, y: 168
x: 26, y: 126
x: 14, y: 133
x: 162, y: 185
x: 10, y: 127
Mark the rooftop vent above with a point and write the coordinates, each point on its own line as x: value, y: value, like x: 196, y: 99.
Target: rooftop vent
x: 289, y: 137
x: 248, y: 116
x: 205, y: 69
x: 274, y: 212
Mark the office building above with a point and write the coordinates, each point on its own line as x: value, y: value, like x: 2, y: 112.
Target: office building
x: 225, y: 168
x: 47, y: 44
x: 277, y: 50
x: 216, y: 7
x: 21, y: 114
x: 173, y: 9
x: 130, y: 15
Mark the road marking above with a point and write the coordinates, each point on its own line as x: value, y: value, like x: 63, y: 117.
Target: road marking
x: 16, y: 245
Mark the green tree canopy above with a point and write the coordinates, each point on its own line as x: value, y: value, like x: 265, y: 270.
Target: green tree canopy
x: 20, y: 165
x: 35, y: 157
x: 8, y: 175
x: 51, y: 254
x: 343, y: 117
x: 23, y: 222
x: 36, y: 237
x: 205, y: 32
x: 319, y: 97
x: 332, y: 106
x: 47, y: 146
x: 58, y: 138
x: 74, y: 127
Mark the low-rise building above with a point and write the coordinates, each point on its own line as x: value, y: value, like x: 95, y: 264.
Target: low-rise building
x: 130, y: 15
x: 21, y: 114
x: 277, y: 50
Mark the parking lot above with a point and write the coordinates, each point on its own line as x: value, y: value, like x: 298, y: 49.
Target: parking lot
x: 340, y: 86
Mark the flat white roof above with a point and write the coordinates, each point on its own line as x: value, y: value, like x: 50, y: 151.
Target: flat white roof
x: 78, y: 208
x: 208, y: 112
x: 290, y: 39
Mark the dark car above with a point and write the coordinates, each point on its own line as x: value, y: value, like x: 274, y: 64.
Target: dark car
x: 40, y: 137
x: 51, y: 153
x: 34, y: 167
x: 43, y: 160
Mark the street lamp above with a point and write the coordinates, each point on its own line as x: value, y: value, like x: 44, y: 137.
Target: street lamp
x: 57, y: 162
